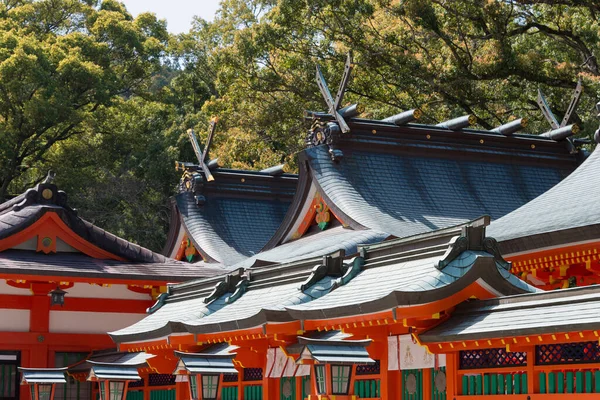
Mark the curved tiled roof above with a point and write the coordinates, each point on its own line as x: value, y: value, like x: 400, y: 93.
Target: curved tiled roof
x: 413, y: 188
x: 566, y: 213
x: 316, y: 244
x: 564, y: 310
x: 237, y: 215
x: 385, y: 276
x: 21, y: 212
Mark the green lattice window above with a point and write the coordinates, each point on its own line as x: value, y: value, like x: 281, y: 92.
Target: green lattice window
x: 210, y: 384
x: 320, y: 378
x: 193, y: 379
x: 73, y: 389
x: 340, y: 379
x: 116, y: 390
x: 45, y: 391
x: 9, y: 377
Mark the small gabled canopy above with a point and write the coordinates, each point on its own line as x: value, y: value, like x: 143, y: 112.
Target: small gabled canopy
x: 334, y: 348
x: 553, y: 312
x: 216, y: 359
x: 232, y: 217
x: 30, y: 207
x: 123, y: 367
x: 43, y: 375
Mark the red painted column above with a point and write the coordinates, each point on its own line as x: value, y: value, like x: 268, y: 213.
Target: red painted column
x: 451, y: 375
x: 182, y: 392
x: 39, y: 323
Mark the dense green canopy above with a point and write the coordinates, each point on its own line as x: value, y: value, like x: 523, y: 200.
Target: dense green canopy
x: 105, y: 99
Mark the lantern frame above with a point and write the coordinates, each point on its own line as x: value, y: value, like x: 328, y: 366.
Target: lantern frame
x: 57, y: 297
x: 42, y: 378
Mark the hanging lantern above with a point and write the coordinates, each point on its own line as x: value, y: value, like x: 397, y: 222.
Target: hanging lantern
x: 57, y: 297
x: 113, y: 378
x: 42, y: 381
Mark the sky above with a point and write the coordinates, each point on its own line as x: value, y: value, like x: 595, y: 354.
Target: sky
x: 178, y: 13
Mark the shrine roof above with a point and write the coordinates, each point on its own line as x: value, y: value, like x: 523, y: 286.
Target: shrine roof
x: 24, y: 210
x: 315, y: 244
x: 566, y: 213
x: 234, y: 216
x: 397, y: 273
x: 405, y: 180
x: 563, y: 310
x: 24, y: 262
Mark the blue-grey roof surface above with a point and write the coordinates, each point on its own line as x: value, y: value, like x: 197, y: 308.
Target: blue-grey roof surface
x: 419, y: 275
x: 405, y: 195
x: 231, y: 229
x: 564, y: 310
x: 317, y: 244
x: 194, y: 313
x: 272, y: 298
x: 572, y: 203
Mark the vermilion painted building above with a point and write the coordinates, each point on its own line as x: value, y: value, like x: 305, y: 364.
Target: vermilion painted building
x: 372, y: 274
x: 381, y: 245
x: 109, y: 281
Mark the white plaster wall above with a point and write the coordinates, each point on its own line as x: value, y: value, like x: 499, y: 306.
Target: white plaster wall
x: 30, y: 244
x: 111, y: 292
x: 90, y: 322
x: 5, y: 288
x: 64, y: 247
x: 14, y: 320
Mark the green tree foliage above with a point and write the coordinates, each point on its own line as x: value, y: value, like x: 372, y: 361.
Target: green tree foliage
x: 482, y: 57
x: 61, y: 61
x: 105, y: 99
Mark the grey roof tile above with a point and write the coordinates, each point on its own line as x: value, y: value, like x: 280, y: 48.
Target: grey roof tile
x: 23, y: 262
x: 315, y: 245
x: 557, y: 311
x: 571, y: 204
x: 405, y: 195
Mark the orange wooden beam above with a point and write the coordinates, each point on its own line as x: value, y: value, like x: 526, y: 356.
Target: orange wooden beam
x: 97, y: 280
x: 519, y: 343
x: 87, y: 341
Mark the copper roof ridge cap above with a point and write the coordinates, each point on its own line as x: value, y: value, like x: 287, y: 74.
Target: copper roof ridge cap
x: 192, y: 283
x: 485, y: 220
x: 257, y: 173
x: 470, y: 131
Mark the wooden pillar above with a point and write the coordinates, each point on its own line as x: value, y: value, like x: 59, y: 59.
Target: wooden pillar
x: 451, y: 375
x: 146, y: 387
x: 39, y: 323
x: 533, y: 383
x: 182, y: 391
x: 383, y: 373
x: 270, y: 387
x: 426, y: 384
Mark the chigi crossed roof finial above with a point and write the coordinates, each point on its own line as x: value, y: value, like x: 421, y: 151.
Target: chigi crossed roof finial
x: 562, y: 130
x: 202, y: 155
x: 334, y: 104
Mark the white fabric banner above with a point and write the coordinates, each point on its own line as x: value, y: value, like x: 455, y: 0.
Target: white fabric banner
x: 414, y: 356
x: 441, y: 360
x: 303, y: 370
x: 290, y: 367
x: 280, y: 361
x: 270, y: 361
x: 393, y: 353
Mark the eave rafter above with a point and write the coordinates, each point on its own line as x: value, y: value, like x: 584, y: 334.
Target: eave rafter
x: 516, y: 343
x: 560, y: 268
